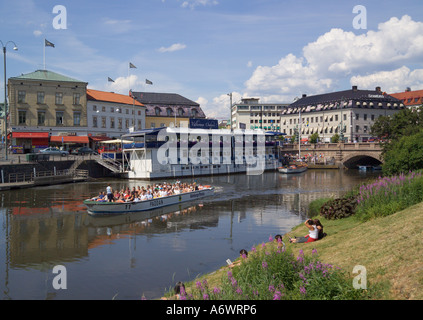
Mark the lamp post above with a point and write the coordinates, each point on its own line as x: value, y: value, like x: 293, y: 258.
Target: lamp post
x: 230, y: 108
x: 5, y: 94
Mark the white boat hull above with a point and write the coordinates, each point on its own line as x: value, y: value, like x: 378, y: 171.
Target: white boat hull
x: 112, y: 208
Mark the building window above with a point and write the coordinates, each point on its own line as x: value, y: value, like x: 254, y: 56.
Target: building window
x: 127, y: 111
x: 169, y: 112
x: 41, y: 118
x: 59, y: 118
x: 112, y: 109
x: 157, y: 111
x: 357, y: 128
x: 193, y: 113
x: 345, y: 117
x: 77, y: 119
x: 162, y: 125
x: 153, y: 125
x: 112, y: 123
x: 22, y: 117
x: 120, y: 122
x: 94, y: 108
x: 372, y: 117
x: 336, y: 117
x: 126, y: 123
x: 59, y: 98
x: 21, y: 96
x: 365, y: 116
x: 40, y: 97
x: 180, y: 112
x: 103, y: 109
x: 103, y: 122
x: 139, y: 125
x: 95, y: 122
x: 357, y: 116
x: 76, y: 98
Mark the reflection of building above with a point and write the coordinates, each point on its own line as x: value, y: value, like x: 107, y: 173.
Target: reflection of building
x: 111, y: 114
x: 250, y: 114
x: 168, y: 109
x: 410, y: 99
x: 43, y: 104
x: 350, y: 113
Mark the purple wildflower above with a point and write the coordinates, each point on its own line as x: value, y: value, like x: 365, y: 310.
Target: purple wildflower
x: 205, y: 296
x: 303, y: 291
x: 264, y: 264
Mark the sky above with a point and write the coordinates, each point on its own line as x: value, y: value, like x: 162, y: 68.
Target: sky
x: 274, y: 50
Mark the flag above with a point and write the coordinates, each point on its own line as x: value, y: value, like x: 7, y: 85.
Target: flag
x: 148, y: 81
x: 110, y: 79
x: 132, y: 66
x: 48, y: 43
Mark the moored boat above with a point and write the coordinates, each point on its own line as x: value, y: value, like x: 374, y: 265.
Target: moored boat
x: 112, y: 208
x: 293, y: 169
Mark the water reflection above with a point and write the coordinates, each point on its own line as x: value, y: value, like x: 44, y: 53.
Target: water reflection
x: 142, y: 253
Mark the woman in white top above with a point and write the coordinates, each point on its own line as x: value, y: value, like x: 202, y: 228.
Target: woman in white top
x: 313, y: 233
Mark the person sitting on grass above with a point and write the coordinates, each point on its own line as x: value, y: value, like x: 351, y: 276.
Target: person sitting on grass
x: 243, y: 254
x: 313, y: 233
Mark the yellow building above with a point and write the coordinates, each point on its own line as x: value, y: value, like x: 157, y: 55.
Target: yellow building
x: 168, y: 109
x: 44, y: 104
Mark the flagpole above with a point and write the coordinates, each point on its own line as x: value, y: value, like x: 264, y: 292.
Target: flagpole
x: 44, y: 54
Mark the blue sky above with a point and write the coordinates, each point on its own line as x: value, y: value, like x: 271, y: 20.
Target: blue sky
x: 274, y: 50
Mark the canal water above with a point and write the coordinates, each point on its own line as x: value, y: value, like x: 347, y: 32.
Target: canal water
x: 143, y: 254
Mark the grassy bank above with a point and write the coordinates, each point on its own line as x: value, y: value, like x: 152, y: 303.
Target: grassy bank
x: 388, y: 247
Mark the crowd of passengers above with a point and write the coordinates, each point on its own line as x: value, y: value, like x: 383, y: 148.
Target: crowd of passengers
x: 147, y: 193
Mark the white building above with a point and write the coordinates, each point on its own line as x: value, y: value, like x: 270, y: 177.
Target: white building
x: 112, y: 115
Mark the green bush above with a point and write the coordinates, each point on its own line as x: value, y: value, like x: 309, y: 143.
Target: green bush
x: 338, y: 208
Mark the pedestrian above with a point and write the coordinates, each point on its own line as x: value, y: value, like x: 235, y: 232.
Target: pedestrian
x: 109, y: 192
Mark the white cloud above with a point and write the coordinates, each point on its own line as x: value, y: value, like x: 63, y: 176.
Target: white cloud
x: 219, y: 107
x: 122, y: 85
x: 338, y: 56
x: 173, y: 47
x: 249, y: 64
x: 391, y: 81
x: 37, y: 33
x: 195, y: 3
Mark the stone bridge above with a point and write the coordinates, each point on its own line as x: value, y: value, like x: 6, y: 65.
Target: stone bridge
x: 348, y: 155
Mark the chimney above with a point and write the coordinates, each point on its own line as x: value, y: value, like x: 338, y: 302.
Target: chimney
x: 354, y: 88
x: 304, y: 95
x: 378, y: 89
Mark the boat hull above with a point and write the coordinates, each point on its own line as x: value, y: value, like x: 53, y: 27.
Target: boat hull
x: 292, y: 170
x: 113, y: 208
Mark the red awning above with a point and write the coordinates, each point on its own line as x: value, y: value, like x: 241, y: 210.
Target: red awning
x: 69, y: 139
x: 29, y: 134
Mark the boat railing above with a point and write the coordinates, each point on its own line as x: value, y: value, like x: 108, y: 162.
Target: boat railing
x: 32, y: 176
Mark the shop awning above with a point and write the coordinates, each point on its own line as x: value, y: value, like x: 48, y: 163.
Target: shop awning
x: 99, y: 138
x: 29, y: 135
x: 69, y: 139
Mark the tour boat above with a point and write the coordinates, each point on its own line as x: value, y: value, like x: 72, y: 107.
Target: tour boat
x: 292, y: 169
x: 111, y: 208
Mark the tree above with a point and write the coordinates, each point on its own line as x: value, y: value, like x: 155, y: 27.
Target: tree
x: 314, y: 138
x: 335, y: 138
x: 404, y: 154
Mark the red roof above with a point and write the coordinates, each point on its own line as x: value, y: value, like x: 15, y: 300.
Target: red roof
x: 409, y: 97
x: 111, y: 97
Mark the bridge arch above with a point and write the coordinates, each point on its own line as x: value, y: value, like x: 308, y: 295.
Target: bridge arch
x: 353, y: 160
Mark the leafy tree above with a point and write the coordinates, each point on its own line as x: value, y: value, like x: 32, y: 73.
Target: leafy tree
x: 314, y: 138
x: 404, y: 154
x: 335, y: 138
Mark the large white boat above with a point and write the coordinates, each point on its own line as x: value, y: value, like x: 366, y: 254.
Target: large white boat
x: 186, y: 152
x: 113, y: 208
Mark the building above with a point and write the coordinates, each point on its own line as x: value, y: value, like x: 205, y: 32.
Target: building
x: 348, y: 113
x: 250, y: 114
x: 112, y: 115
x: 410, y: 99
x: 168, y: 109
x: 46, y: 107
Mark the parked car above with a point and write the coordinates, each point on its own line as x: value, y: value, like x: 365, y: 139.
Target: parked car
x: 83, y: 150
x: 53, y: 151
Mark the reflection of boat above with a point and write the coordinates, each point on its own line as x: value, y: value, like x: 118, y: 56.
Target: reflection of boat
x: 110, y: 208
x: 293, y: 168
x: 377, y: 168
x: 364, y: 168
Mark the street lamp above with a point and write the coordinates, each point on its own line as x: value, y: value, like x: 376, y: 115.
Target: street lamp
x: 5, y: 94
x: 230, y: 114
